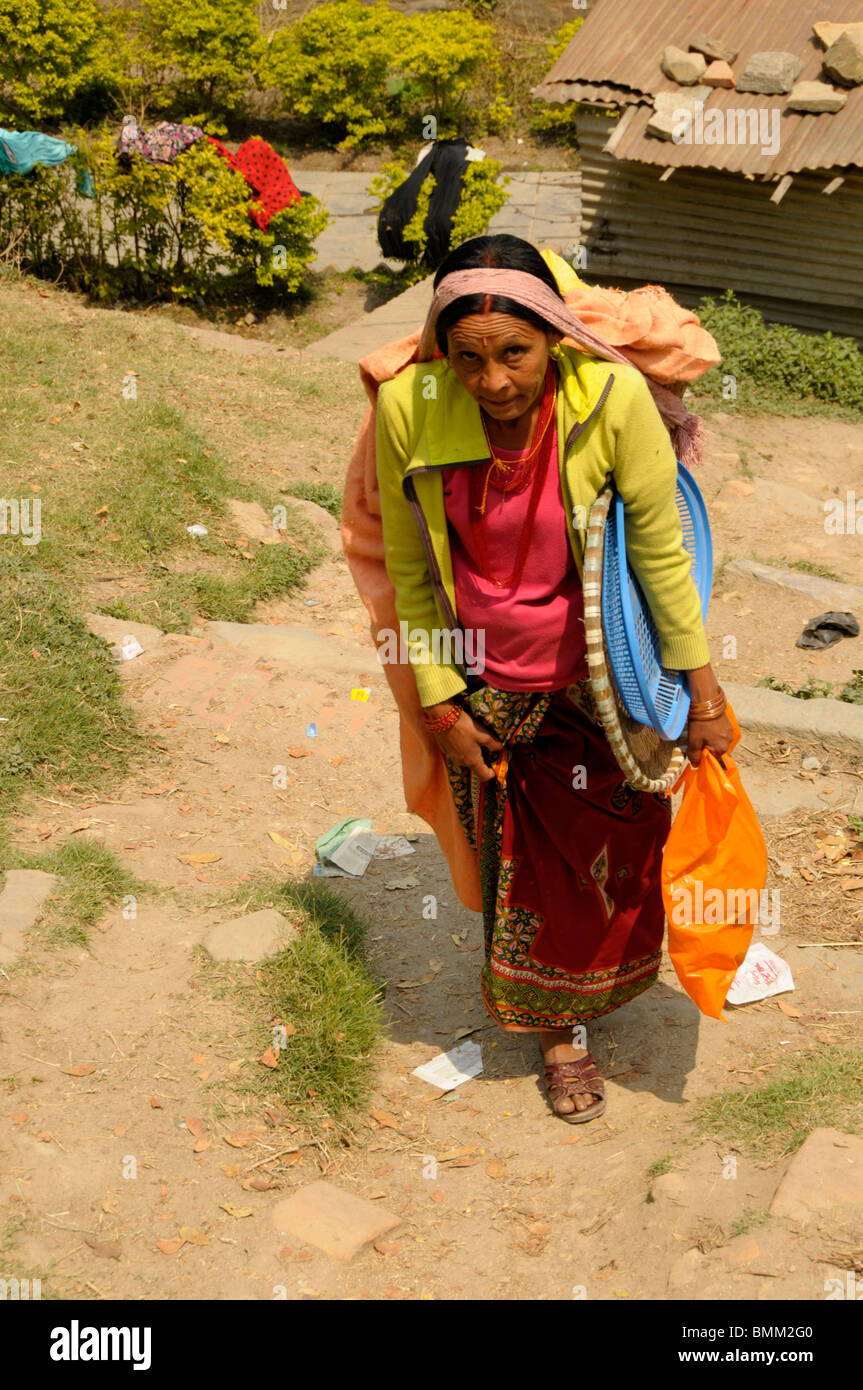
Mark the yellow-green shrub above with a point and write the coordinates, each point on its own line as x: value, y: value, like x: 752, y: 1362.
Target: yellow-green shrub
x: 153, y: 230
x: 481, y: 197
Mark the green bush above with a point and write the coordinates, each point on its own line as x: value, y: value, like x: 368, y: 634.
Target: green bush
x: 153, y: 231
x: 556, y: 120
x: 332, y: 67
x: 481, y: 197
x: 54, y: 53
x: 440, y: 57
x: 205, y: 49
x: 366, y: 72
x: 775, y: 364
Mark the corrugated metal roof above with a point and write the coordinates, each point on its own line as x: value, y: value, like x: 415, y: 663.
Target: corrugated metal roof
x: 605, y: 55
x: 596, y: 93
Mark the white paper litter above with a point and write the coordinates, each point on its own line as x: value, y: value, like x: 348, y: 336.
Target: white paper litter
x: 450, y: 1069
x: 393, y: 847
x: 355, y: 851
x: 127, y: 650
x: 761, y: 974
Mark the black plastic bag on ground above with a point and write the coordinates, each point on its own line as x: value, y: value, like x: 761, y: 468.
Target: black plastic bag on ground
x: 446, y: 160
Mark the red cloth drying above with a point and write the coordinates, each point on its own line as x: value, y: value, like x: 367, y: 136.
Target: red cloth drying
x: 267, y: 175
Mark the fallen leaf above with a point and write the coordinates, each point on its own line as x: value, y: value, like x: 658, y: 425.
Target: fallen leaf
x: 237, y: 1212
x: 201, y: 1144
x: 540, y: 1228
x: 258, y: 1184
x: 436, y: 1196
x: 198, y: 1058
x: 411, y: 881
x: 169, y: 1247
x: 295, y: 752
x: 270, y: 1058
x: 495, y: 1168
x: 788, y: 1010
x: 195, y: 1126
x: 155, y: 1104
x: 452, y: 1154
x: 19, y: 1117
x: 414, y: 984
x: 78, y: 1069
x: 198, y: 858
x: 570, y: 1139
x: 280, y: 840
x: 193, y: 1236
x: 388, y: 1247
x: 43, y: 1137
x: 230, y: 1170
x: 384, y: 1120
x: 107, y: 1249
x: 244, y: 1137
x: 163, y: 1192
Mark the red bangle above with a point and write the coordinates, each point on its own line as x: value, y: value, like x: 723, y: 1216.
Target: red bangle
x: 439, y: 724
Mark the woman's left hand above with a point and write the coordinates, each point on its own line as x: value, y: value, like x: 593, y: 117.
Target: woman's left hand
x: 715, y: 734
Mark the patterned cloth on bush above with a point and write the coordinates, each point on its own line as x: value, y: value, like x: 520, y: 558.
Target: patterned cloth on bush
x: 161, y: 143
x: 267, y: 175
x: 21, y: 150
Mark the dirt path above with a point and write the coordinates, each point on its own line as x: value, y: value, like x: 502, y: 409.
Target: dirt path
x: 497, y: 1198
x: 524, y: 1207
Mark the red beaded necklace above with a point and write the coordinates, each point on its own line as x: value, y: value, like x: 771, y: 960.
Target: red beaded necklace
x: 513, y: 476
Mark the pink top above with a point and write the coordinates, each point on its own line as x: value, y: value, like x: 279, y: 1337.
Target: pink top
x: 533, y: 635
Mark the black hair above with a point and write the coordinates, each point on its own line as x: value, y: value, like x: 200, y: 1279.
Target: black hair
x: 501, y: 251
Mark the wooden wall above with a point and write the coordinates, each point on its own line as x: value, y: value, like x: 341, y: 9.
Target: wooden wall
x: 701, y: 231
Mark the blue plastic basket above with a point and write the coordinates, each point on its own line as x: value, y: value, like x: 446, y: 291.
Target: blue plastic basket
x: 651, y: 694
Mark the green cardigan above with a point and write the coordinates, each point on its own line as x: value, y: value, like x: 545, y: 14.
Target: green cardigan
x: 607, y: 425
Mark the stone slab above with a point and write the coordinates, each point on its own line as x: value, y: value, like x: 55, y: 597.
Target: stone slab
x: 319, y: 516
x: 832, y: 595
x: 250, y: 938
x: 824, y: 1182
x: 389, y: 322
x: 764, y: 711
x: 816, y: 98
x: 23, y: 894
x: 334, y: 1221
x: 114, y: 630
x: 301, y: 647
x: 252, y: 521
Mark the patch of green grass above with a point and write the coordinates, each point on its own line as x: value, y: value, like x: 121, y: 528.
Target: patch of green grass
x: 805, y: 1093
x: 779, y: 368
x: 178, y: 599
x: 324, y: 494
x: 851, y: 692
x: 749, y: 1220
x: 66, y: 722
x: 803, y: 567
x: 660, y: 1166
x: 90, y: 880
x: 745, y: 466
x: 320, y: 985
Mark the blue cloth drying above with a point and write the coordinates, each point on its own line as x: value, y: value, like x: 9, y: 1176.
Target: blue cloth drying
x: 22, y: 150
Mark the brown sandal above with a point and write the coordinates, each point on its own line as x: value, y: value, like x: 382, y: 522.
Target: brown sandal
x: 564, y: 1080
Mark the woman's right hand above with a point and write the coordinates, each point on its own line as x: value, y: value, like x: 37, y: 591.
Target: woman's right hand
x: 464, y: 742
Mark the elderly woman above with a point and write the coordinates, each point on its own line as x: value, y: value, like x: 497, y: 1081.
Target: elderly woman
x: 489, y: 457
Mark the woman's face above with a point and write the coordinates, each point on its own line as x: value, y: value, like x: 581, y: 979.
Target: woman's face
x: 501, y: 361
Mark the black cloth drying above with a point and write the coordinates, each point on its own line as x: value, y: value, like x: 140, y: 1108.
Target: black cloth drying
x: 828, y: 628
x: 447, y: 160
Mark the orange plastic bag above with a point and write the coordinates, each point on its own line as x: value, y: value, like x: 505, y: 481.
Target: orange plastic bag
x: 713, y: 869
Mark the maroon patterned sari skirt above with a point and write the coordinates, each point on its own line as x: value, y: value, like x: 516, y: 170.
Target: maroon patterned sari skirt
x: 569, y: 859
